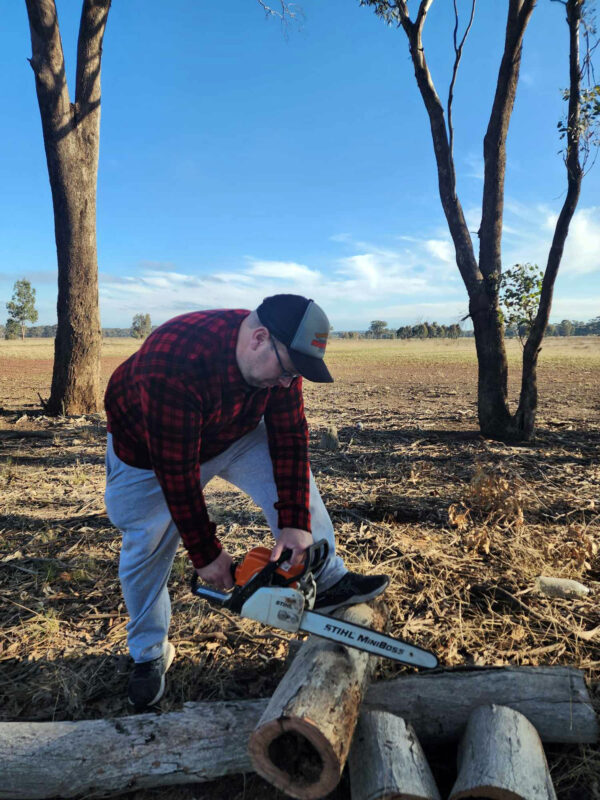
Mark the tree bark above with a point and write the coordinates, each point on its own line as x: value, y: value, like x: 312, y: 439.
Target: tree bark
x: 554, y: 699
x: 107, y: 757
x: 303, y: 738
x: 387, y: 762
x: 501, y: 757
x: 110, y: 756
x: 71, y: 140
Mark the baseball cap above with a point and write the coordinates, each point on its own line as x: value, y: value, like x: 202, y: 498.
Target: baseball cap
x: 302, y: 326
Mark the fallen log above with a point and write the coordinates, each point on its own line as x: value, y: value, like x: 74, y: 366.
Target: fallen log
x: 501, y: 757
x: 205, y: 740
x: 386, y: 761
x: 302, y: 740
x: 437, y: 704
x: 110, y: 756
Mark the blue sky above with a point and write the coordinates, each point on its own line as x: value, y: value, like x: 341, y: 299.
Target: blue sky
x: 239, y: 159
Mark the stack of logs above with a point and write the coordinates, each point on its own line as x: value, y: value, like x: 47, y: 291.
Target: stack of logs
x: 323, y: 713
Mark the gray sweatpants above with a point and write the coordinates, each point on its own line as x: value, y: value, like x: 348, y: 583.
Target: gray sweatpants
x: 136, y: 505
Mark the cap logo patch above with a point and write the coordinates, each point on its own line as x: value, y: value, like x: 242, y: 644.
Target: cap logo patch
x: 320, y: 340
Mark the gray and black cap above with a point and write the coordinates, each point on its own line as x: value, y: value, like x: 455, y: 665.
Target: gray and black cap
x: 302, y: 326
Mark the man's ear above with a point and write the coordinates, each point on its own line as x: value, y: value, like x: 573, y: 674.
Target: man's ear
x: 259, y: 336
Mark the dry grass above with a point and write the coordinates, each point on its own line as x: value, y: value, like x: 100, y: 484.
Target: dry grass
x: 462, y: 525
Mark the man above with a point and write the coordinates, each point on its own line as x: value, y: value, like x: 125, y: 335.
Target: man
x: 214, y: 393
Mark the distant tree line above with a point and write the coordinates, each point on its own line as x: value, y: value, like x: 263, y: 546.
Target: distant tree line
x: 49, y: 332
x: 433, y: 330
x: 567, y: 327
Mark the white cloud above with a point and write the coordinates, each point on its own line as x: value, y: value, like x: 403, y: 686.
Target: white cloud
x: 528, y: 236
x: 363, y: 268
x: 284, y: 270
x: 581, y: 308
x: 442, y: 249
x: 415, y: 278
x: 582, y: 249
x: 475, y: 166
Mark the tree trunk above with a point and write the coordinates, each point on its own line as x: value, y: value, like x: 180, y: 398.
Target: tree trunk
x: 387, y: 762
x: 492, y: 387
x: 501, y: 757
x: 71, y: 140
x: 303, y: 738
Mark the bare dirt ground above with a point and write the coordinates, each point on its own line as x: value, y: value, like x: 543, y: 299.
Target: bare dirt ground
x: 462, y: 525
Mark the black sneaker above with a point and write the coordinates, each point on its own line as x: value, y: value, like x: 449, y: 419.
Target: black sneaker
x: 147, y: 681
x: 351, y: 589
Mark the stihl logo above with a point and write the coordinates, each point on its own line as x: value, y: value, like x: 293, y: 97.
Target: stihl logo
x: 320, y: 340
x: 364, y: 638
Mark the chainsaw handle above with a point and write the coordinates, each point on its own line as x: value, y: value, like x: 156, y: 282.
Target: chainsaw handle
x: 282, y: 558
x: 314, y: 558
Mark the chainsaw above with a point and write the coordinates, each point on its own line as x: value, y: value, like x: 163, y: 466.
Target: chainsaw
x: 267, y: 592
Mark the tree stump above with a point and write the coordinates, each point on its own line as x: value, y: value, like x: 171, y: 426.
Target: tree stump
x: 329, y: 439
x: 387, y: 762
x: 501, y: 757
x: 302, y: 740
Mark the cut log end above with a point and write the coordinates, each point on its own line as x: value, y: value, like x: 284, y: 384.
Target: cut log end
x: 501, y: 757
x: 295, y: 756
x: 302, y: 740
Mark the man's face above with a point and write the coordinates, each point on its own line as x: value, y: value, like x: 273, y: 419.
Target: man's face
x: 268, y: 363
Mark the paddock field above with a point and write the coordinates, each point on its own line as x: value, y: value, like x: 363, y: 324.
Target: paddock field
x: 463, y: 526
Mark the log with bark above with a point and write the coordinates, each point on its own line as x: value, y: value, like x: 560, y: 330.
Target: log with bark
x: 501, y: 757
x: 437, y: 704
x: 387, y: 762
x: 206, y: 740
x: 110, y: 756
x: 303, y: 738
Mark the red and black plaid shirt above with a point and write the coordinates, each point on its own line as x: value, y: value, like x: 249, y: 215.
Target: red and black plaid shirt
x: 181, y: 400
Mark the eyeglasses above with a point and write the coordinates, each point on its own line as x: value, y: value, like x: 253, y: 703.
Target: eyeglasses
x: 285, y: 373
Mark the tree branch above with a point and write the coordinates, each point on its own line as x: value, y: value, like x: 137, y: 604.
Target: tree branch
x: 422, y: 13
x: 288, y: 11
x: 457, y: 57
x: 494, y: 145
x: 528, y: 399
x: 465, y: 257
x: 48, y: 64
x: 89, y: 55
x: 574, y: 173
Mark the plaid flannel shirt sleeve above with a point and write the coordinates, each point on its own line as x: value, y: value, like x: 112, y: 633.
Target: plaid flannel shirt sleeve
x: 287, y: 432
x: 173, y: 419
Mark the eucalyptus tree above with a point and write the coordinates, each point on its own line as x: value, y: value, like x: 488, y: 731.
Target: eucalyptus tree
x: 71, y: 134
x: 481, y: 273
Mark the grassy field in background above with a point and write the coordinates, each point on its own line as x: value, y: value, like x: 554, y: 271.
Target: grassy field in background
x: 555, y: 349
x: 462, y: 525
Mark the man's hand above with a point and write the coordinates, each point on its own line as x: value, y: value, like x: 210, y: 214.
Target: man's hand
x: 295, y: 540
x: 218, y: 572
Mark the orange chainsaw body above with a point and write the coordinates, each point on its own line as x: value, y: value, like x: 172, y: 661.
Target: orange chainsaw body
x: 255, y: 560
